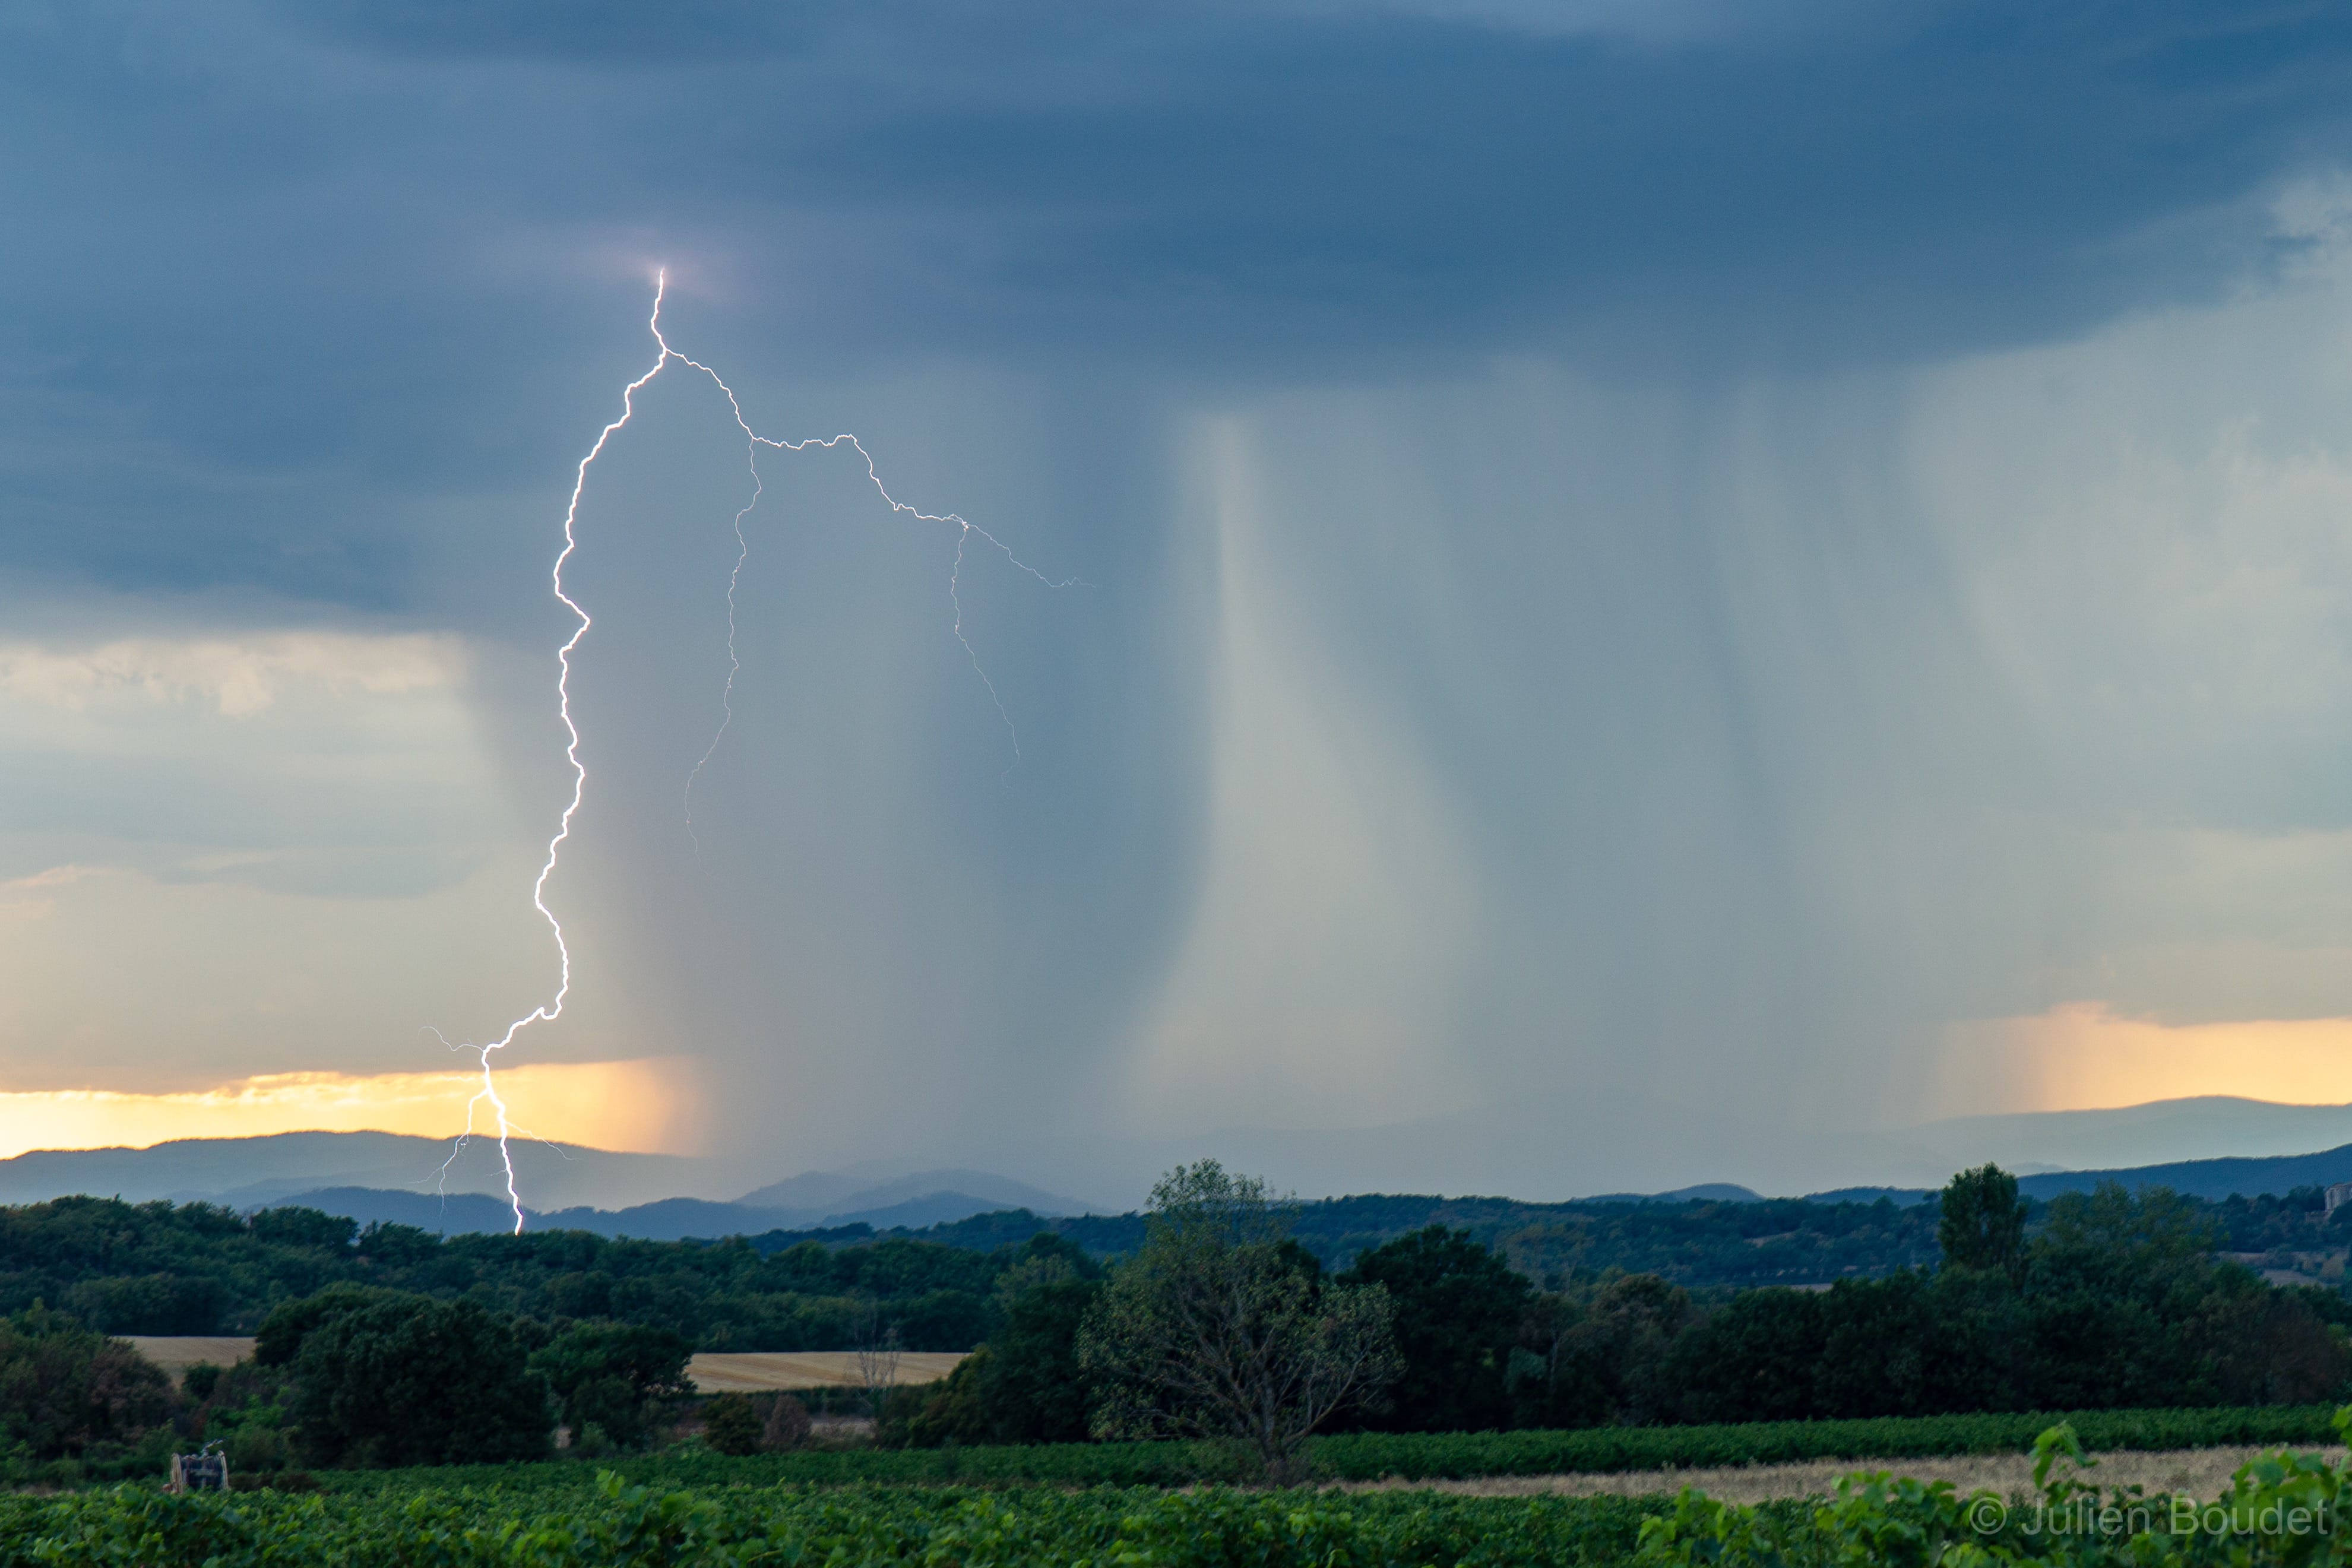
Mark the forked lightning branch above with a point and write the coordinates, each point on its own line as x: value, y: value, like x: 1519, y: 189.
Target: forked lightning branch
x: 965, y: 531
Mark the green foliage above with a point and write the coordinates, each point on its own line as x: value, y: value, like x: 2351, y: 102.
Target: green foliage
x: 303, y: 1228
x: 2118, y: 1301
x: 669, y: 1512
x: 2281, y: 1508
x: 1698, y: 1243
x: 279, y: 1339
x: 1980, y: 1222
x: 617, y: 1525
x: 1369, y: 1456
x: 66, y: 1391
x: 198, y: 1381
x: 1221, y: 1326
x: 616, y: 1376
x: 1457, y: 1309
x: 154, y: 1268
x: 1602, y: 1352
x: 1024, y: 1385
x: 731, y: 1424
x: 1373, y: 1456
x: 410, y: 1380
x: 243, y: 1403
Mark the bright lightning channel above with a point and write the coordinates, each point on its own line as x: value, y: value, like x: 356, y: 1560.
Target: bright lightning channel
x: 552, y: 1009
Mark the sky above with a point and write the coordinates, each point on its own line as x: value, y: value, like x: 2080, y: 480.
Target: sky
x: 1623, y: 595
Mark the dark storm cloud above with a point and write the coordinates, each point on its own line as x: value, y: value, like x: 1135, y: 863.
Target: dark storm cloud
x: 249, y: 248
x: 1852, y: 182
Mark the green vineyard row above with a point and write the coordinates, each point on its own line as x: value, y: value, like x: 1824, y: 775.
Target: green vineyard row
x: 614, y: 1526
x: 1423, y: 1455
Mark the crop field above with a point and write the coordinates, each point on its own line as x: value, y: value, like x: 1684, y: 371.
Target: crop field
x: 764, y: 1372
x: 758, y: 1371
x: 177, y: 1353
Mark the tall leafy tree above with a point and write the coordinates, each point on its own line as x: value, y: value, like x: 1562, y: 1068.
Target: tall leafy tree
x: 1982, y: 1222
x: 1222, y: 1326
x: 1456, y: 1309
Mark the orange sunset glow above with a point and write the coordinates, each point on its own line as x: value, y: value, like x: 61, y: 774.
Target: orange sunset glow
x: 2084, y: 1056
x: 645, y: 1106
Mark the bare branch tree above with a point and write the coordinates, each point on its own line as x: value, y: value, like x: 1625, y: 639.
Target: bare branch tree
x: 878, y: 1349
x: 1222, y: 1326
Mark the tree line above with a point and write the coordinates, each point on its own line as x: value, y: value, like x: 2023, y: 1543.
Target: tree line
x: 2112, y: 1299
x: 197, y: 1268
x: 191, y: 1268
x: 1219, y: 1322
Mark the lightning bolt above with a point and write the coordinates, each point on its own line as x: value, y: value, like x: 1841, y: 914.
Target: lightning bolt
x: 552, y: 1009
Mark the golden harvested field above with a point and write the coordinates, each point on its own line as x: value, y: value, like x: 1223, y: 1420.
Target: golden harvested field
x: 175, y: 1353
x: 757, y: 1372
x: 761, y: 1371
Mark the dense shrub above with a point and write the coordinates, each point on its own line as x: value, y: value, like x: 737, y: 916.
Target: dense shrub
x: 407, y: 1380
x: 731, y: 1425
x: 617, y: 1378
x: 65, y: 1390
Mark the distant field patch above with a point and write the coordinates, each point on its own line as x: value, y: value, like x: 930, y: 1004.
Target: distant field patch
x: 761, y: 1370
x: 755, y: 1372
x: 177, y: 1353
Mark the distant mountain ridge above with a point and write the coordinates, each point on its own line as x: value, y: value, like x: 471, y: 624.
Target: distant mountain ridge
x: 388, y: 1177
x: 2215, y: 1179
x: 247, y: 1173
x: 455, y: 1188
x: 938, y: 1197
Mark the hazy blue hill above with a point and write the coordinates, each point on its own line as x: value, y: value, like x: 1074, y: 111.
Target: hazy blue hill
x: 1705, y: 1192
x: 834, y: 1198
x: 1899, y: 1194
x: 245, y: 1173
x: 2212, y: 1180
x: 667, y: 1220
x: 457, y: 1214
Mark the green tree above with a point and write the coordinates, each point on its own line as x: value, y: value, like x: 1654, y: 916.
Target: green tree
x: 1981, y: 1222
x: 1457, y: 1308
x: 731, y: 1424
x: 1222, y: 1326
x: 408, y: 1380
x: 279, y: 1339
x: 64, y: 1388
x: 298, y: 1226
x: 617, y: 1376
x: 1024, y: 1385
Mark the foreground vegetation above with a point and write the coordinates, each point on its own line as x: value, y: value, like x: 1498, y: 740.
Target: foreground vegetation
x: 1380, y: 1456
x: 618, y: 1526
x: 2282, y: 1509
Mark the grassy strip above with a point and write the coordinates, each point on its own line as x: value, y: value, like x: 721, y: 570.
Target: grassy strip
x: 1462, y: 1456
x: 1412, y: 1456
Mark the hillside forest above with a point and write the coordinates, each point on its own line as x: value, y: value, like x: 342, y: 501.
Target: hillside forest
x: 2106, y: 1300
